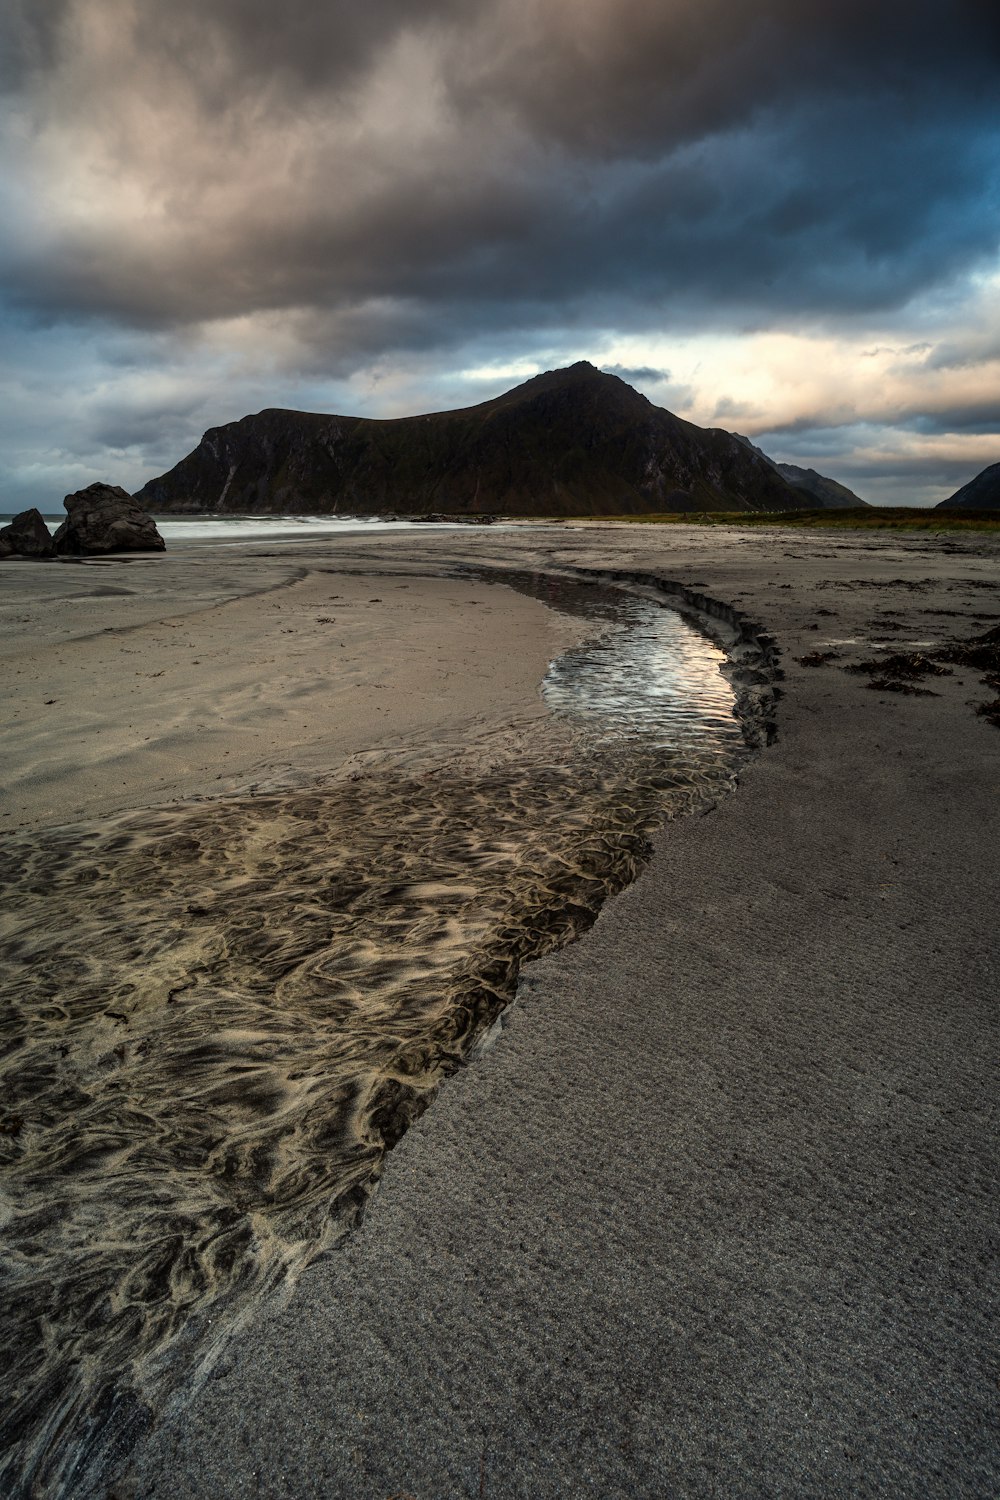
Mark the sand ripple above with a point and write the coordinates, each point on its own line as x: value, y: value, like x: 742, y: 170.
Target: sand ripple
x: 221, y: 1016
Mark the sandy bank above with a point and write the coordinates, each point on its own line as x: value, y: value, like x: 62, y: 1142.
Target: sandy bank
x: 129, y: 683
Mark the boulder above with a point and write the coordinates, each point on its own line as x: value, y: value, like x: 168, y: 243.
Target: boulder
x: 104, y: 518
x: 27, y: 536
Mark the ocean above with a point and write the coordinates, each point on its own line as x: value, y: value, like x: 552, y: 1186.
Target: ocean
x: 188, y: 530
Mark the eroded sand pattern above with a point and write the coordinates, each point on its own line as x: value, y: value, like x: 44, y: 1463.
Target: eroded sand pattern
x: 221, y: 1015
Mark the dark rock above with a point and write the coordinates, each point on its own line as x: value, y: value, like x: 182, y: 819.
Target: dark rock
x: 567, y: 443
x: 104, y: 518
x: 441, y: 518
x: 27, y: 536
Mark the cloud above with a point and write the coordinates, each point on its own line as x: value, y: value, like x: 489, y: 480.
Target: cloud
x: 147, y: 423
x: 342, y: 205
x: 977, y: 416
x: 180, y: 164
x: 885, y: 466
x: 638, y: 374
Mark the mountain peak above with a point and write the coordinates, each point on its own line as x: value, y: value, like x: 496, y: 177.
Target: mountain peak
x: 576, y: 374
x: 597, y: 388
x: 574, y: 441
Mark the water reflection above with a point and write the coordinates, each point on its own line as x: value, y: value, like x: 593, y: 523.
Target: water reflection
x: 651, y: 678
x: 646, y: 676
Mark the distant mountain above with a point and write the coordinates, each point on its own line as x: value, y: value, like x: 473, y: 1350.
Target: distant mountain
x: 569, y: 442
x: 825, y: 492
x: 822, y: 493
x: 981, y: 493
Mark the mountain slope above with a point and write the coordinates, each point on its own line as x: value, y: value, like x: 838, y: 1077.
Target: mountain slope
x: 825, y: 492
x: 569, y: 442
x: 981, y: 493
x: 822, y: 493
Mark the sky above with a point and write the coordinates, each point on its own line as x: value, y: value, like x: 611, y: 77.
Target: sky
x: 781, y: 217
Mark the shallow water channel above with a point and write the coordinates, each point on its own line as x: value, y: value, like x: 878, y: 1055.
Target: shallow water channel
x: 221, y: 1016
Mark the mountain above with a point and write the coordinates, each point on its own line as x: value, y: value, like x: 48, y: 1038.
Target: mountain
x: 822, y: 493
x: 826, y: 493
x: 981, y: 493
x: 569, y: 442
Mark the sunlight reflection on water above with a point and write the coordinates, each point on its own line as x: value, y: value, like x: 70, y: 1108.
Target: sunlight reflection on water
x: 647, y: 676
x: 658, y: 681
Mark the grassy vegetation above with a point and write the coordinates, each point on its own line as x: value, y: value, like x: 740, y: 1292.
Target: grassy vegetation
x: 869, y: 518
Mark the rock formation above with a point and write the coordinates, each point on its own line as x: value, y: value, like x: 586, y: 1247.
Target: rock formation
x: 570, y: 442
x: 981, y: 493
x: 27, y: 536
x: 104, y: 518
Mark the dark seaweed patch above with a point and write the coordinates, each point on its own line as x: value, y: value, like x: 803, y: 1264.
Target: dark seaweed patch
x: 908, y: 665
x: 899, y: 671
x: 890, y: 685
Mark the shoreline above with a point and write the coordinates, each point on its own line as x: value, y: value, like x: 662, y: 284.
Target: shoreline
x: 656, y: 1162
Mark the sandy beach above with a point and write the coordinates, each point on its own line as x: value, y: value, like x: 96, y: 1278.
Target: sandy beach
x: 715, y: 1213
x: 152, y: 679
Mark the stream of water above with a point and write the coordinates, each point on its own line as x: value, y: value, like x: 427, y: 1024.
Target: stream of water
x: 221, y: 1016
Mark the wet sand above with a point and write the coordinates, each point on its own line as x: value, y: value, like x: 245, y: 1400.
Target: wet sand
x: 222, y: 1011
x: 151, y: 680
x: 715, y: 1215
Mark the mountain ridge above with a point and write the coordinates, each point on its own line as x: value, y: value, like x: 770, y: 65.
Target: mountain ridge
x: 575, y: 441
x: 981, y: 493
x: 824, y: 493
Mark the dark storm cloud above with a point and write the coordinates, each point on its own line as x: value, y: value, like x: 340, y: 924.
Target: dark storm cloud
x: 139, y: 424
x: 909, y: 473
x: 421, y: 172
x: 614, y: 75
x: 976, y: 346
x: 638, y: 374
x: 882, y: 475
x: 301, y: 44
x: 227, y: 46
x: 29, y: 32
x: 977, y: 416
x: 928, y: 413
